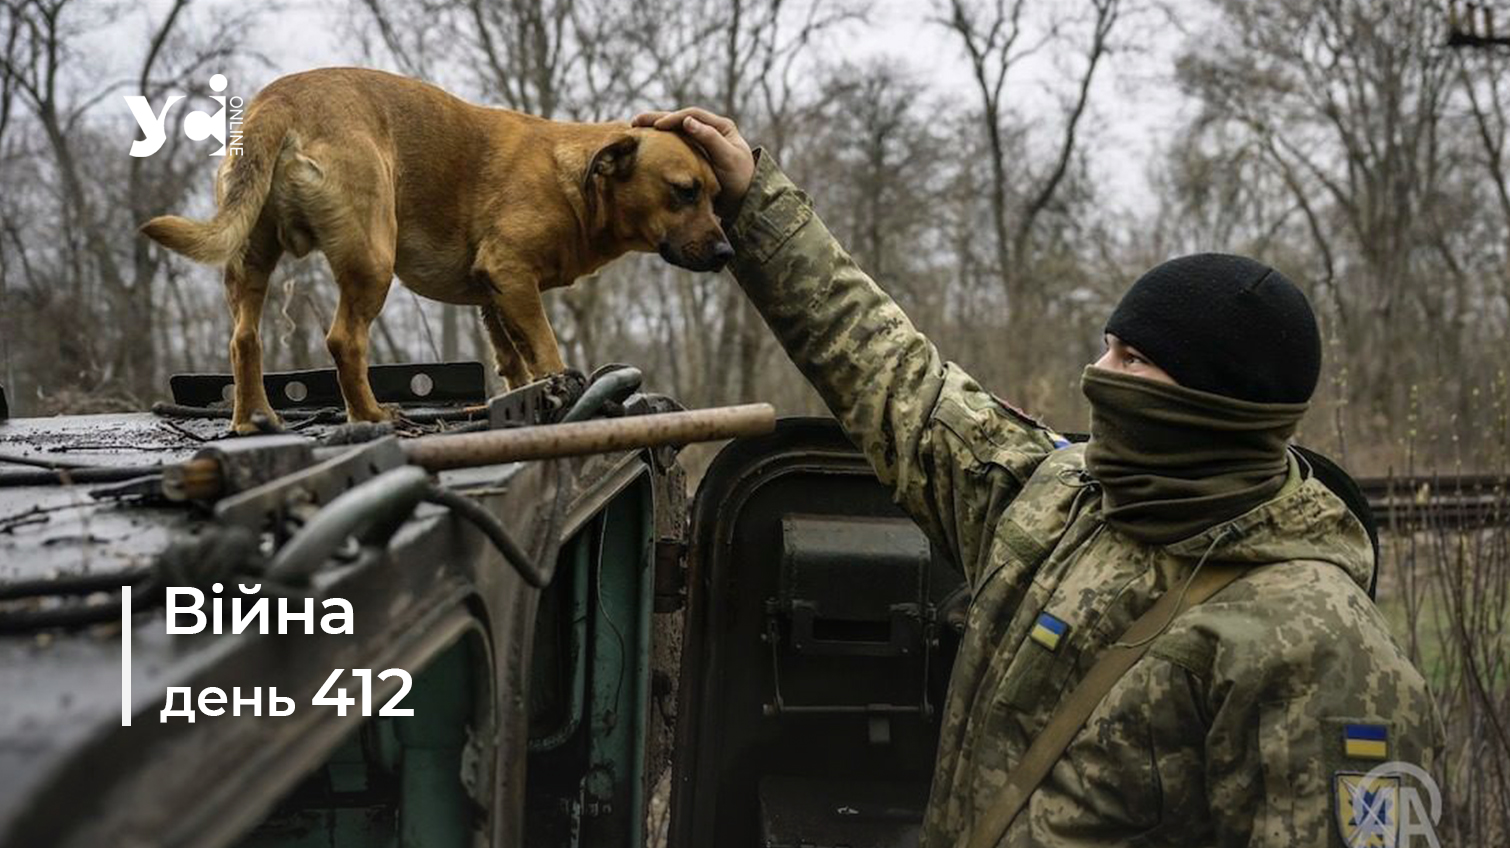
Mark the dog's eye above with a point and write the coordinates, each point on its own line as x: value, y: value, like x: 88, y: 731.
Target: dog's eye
x: 686, y: 194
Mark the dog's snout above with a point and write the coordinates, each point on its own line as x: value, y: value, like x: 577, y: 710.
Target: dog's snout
x: 710, y: 255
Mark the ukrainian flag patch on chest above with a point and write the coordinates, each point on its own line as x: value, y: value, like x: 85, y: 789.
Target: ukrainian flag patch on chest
x: 1365, y: 741
x: 1049, y: 631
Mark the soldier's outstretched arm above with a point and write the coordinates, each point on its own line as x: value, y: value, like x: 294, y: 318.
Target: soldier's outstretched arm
x: 952, y: 454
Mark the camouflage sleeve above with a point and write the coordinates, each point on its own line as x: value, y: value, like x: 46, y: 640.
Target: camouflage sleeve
x: 1308, y: 697
x: 952, y: 454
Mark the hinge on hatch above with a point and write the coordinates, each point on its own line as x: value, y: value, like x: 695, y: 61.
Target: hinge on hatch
x: 477, y: 769
x: 669, y: 496
x: 914, y: 631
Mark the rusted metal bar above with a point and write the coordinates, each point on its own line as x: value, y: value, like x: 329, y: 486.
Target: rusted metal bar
x: 463, y: 450
x: 197, y: 479
x: 213, y: 474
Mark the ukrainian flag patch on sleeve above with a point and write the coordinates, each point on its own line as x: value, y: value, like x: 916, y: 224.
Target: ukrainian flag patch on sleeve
x: 1365, y: 741
x: 1049, y: 631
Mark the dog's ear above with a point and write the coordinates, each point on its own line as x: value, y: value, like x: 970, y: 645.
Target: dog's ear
x: 614, y: 160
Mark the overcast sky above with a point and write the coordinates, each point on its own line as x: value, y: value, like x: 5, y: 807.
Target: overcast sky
x: 1135, y: 104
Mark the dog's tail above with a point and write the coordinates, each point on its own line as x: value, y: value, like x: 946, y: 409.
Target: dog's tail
x: 241, y: 188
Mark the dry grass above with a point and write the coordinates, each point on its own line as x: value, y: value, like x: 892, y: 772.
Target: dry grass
x: 1445, y: 587
x: 1446, y: 593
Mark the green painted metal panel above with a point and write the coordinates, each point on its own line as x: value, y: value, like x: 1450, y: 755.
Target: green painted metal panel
x: 586, y: 773
x: 623, y: 591
x: 434, y: 809
x: 394, y: 782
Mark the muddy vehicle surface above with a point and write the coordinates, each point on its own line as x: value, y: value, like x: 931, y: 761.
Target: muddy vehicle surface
x: 774, y: 651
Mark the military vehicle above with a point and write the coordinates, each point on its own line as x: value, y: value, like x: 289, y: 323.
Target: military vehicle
x: 573, y: 627
x: 576, y: 629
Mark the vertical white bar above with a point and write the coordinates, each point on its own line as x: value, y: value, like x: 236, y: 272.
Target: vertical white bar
x: 125, y: 656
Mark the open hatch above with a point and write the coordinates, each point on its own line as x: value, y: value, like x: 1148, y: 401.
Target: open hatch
x: 820, y: 634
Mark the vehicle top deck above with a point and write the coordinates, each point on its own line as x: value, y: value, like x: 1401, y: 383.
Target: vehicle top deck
x: 79, y: 509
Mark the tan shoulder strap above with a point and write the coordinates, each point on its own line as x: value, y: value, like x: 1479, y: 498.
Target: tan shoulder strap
x: 1049, y: 745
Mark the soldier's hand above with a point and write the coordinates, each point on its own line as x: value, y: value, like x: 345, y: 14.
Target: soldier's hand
x: 727, y: 151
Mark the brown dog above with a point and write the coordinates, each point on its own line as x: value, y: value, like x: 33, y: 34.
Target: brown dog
x: 465, y: 204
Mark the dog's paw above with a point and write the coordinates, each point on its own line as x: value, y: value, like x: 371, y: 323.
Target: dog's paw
x: 563, y: 389
x: 259, y: 423
x: 376, y: 415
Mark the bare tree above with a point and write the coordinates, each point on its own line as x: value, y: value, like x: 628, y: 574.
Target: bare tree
x: 98, y: 199
x: 1343, y: 102
x: 997, y: 38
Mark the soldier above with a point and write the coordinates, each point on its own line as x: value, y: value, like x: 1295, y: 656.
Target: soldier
x: 1251, y: 718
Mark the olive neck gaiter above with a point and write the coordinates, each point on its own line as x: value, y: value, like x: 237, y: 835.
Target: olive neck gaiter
x: 1173, y: 461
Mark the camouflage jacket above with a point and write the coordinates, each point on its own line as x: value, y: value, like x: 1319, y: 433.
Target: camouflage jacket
x: 1232, y: 730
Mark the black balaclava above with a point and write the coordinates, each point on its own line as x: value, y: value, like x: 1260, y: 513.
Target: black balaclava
x: 1242, y: 343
